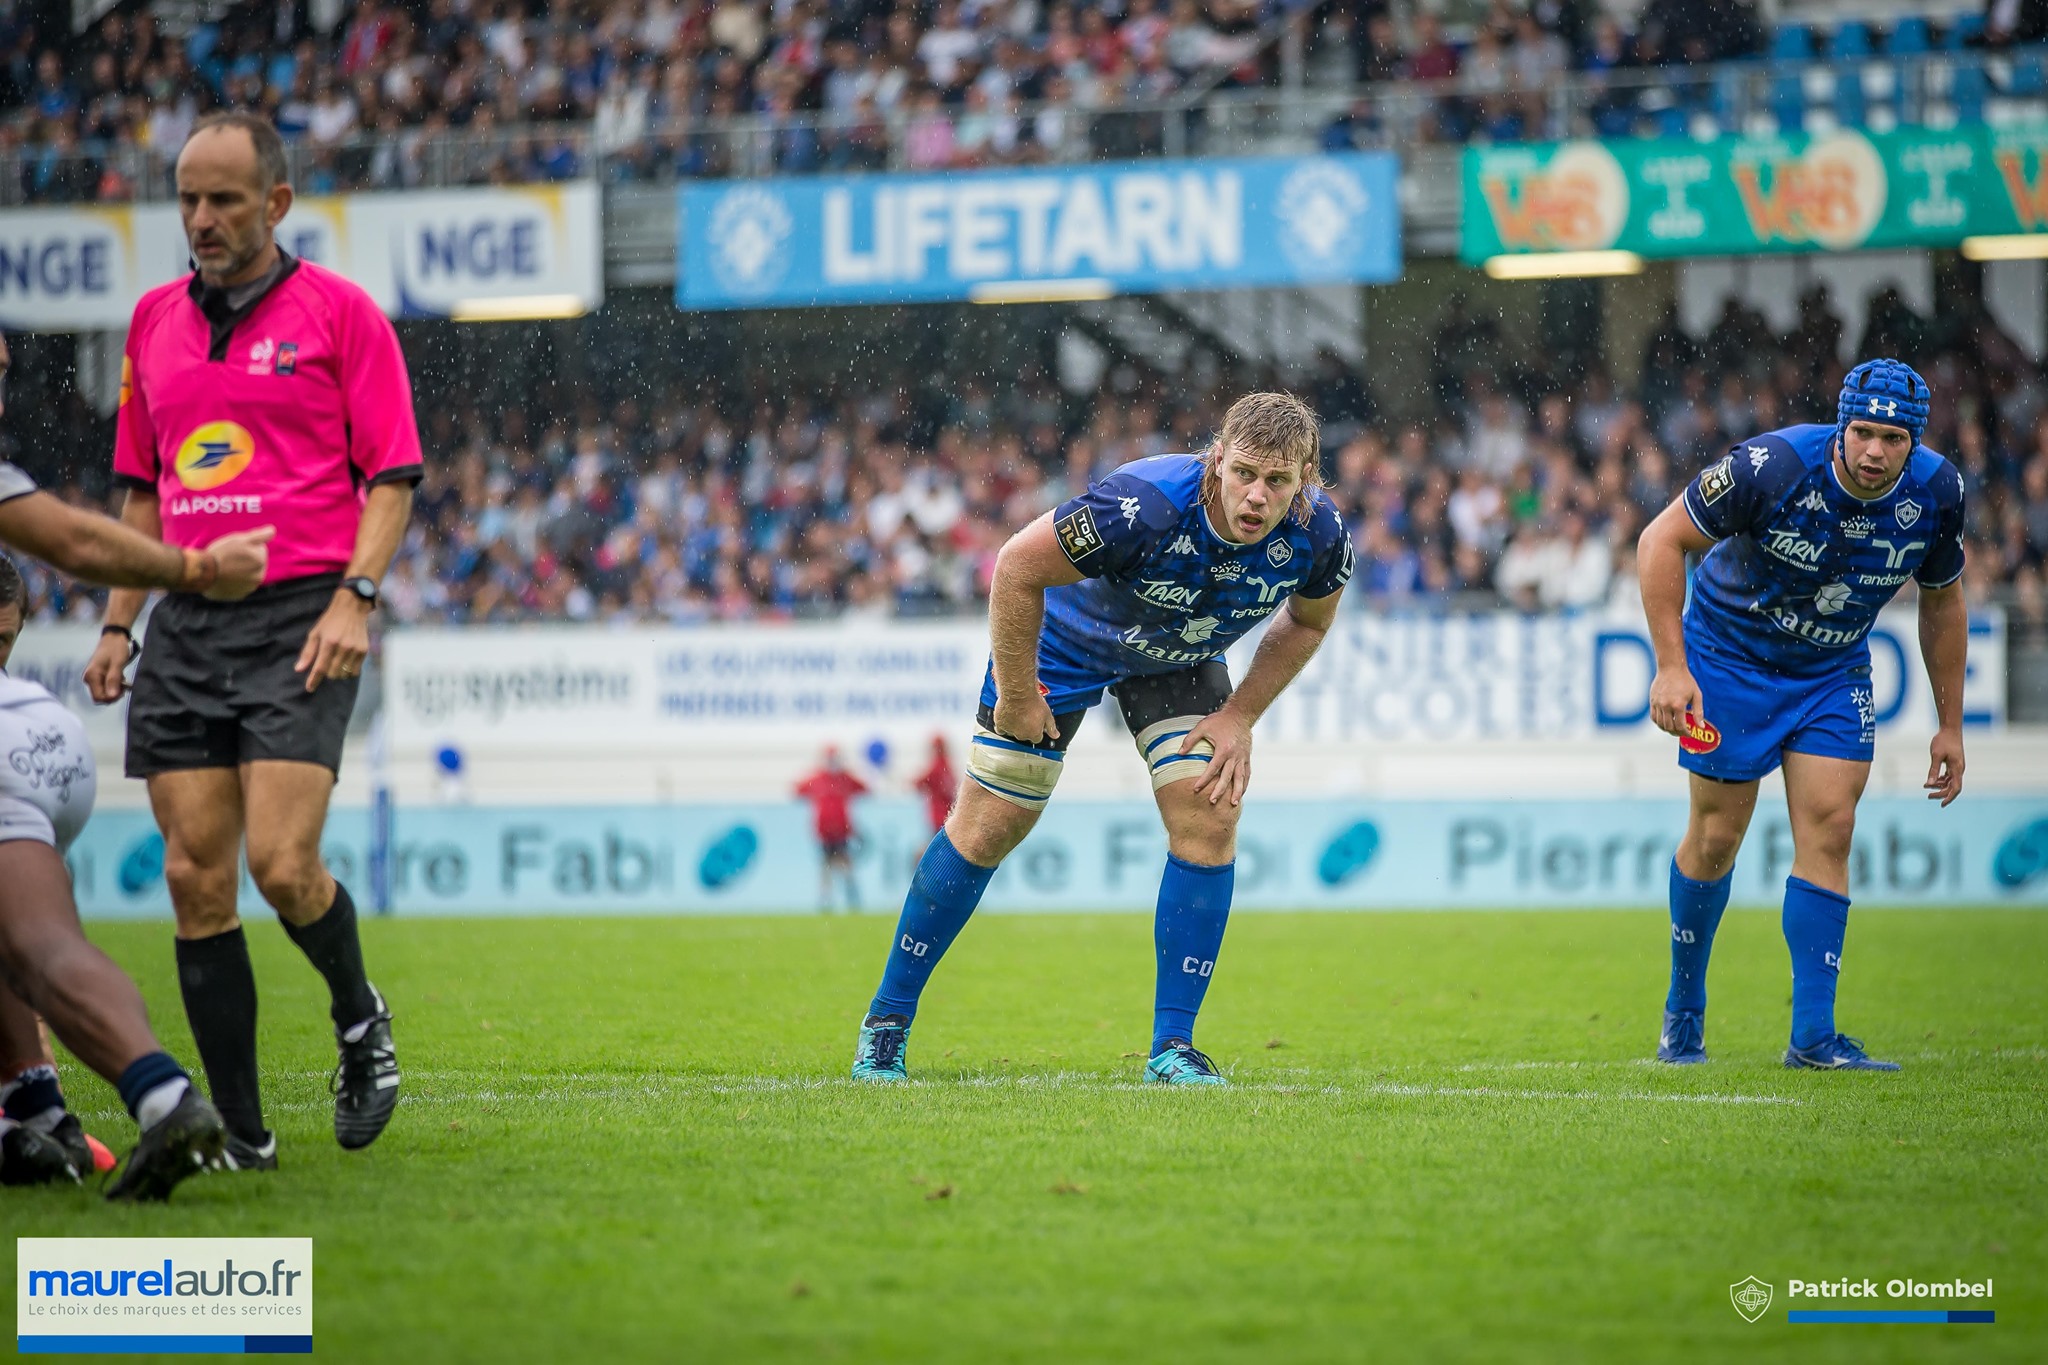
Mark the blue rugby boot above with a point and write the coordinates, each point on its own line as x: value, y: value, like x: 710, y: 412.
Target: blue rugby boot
x: 1838, y: 1052
x: 883, y: 1039
x: 1178, y: 1063
x: 1684, y: 1041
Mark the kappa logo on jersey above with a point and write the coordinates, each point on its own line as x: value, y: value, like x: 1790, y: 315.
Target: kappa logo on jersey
x: 1182, y: 546
x: 1717, y: 479
x: 214, y: 454
x: 1129, y: 507
x: 1831, y: 599
x: 1814, y: 501
x: 1700, y: 736
x: 1859, y: 528
x: 1907, y: 512
x: 1759, y: 456
x: 1884, y: 407
x: 1078, y: 534
x: 1278, y: 553
x: 1167, y: 593
x: 1198, y: 630
x: 1795, y: 549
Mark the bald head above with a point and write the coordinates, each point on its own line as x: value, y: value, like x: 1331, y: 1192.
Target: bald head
x: 232, y: 193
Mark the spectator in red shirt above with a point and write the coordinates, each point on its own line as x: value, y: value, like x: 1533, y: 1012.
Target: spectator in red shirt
x: 939, y: 784
x: 830, y: 791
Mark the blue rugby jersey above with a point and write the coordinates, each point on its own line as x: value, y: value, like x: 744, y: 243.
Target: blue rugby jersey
x: 1803, y: 564
x: 1163, y: 590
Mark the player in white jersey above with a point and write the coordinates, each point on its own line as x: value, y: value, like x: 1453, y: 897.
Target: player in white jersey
x: 47, y: 784
x: 47, y: 965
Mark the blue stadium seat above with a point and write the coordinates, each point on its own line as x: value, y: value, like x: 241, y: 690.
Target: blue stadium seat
x: 1968, y: 89
x: 2028, y: 75
x: 1792, y: 43
x: 1910, y: 37
x: 1729, y: 82
x: 1850, y: 50
x: 1965, y: 30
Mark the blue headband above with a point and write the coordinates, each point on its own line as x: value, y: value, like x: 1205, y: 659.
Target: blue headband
x: 1886, y: 391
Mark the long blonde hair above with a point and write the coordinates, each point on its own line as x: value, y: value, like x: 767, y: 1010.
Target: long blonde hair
x: 1271, y: 424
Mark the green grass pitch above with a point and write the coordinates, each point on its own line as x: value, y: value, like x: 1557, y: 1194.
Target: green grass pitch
x: 628, y: 1140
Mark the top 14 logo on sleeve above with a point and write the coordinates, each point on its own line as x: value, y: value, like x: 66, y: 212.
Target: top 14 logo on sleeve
x: 1078, y: 534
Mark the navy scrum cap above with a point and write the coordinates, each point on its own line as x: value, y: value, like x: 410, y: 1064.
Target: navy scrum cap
x: 1886, y: 391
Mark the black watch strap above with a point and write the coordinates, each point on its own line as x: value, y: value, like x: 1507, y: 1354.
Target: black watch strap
x: 363, y: 587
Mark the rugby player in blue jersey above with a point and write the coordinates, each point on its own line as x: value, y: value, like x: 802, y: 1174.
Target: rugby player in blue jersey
x: 1807, y: 533
x: 1136, y: 587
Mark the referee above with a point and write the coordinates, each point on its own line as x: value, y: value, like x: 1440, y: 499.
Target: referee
x: 261, y: 389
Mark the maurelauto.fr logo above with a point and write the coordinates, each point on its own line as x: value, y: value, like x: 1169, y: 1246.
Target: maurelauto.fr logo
x: 163, y: 1295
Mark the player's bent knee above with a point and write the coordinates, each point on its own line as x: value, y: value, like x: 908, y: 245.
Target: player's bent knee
x: 1159, y: 745
x: 1022, y: 774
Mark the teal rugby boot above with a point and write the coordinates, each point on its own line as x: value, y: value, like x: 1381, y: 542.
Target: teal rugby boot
x: 879, y: 1057
x: 1178, y: 1063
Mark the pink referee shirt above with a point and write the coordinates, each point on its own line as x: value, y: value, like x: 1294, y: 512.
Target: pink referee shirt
x: 284, y: 419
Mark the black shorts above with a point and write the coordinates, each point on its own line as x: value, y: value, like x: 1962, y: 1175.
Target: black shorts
x: 216, y: 686
x: 1199, y: 690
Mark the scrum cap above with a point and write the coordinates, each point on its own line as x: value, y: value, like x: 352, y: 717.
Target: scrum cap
x: 1886, y: 391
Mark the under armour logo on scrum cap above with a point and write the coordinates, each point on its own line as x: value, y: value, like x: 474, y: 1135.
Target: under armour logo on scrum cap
x: 1887, y: 390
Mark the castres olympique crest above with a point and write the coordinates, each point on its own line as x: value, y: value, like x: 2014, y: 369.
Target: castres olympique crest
x: 1751, y: 1297
x: 1321, y: 207
x: 749, y: 239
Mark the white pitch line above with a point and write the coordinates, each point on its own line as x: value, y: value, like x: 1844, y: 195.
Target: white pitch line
x: 555, y: 1093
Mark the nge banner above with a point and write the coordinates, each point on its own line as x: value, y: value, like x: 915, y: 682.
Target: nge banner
x: 532, y: 250
x: 1000, y: 236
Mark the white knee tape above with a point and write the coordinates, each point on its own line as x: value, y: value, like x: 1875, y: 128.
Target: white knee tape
x: 1159, y: 745
x: 1020, y: 774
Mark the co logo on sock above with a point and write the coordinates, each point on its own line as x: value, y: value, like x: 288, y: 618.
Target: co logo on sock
x: 1194, y: 966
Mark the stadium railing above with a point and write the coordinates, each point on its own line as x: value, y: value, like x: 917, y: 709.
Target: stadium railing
x: 1756, y: 97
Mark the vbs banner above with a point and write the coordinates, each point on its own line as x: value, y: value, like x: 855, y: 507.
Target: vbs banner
x: 418, y: 255
x: 1738, y: 196
x: 1340, y: 853
x: 1125, y: 228
x: 1378, y: 676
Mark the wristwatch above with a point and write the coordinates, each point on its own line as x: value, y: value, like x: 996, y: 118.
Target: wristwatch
x: 365, y: 588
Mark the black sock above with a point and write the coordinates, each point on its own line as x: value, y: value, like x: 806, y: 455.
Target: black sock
x: 332, y: 945
x: 33, y: 1092
x: 219, y: 988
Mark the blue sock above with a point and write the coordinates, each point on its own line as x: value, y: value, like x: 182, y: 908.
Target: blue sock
x: 1816, y: 920
x: 34, y: 1091
x: 1187, y: 932
x: 1695, y: 914
x: 145, y: 1074
x: 943, y: 893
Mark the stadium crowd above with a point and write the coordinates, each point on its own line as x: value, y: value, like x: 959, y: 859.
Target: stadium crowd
x: 1514, y: 484
x: 644, y: 90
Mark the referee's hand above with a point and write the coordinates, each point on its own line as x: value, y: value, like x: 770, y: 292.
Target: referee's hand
x: 338, y: 642
x: 106, y: 673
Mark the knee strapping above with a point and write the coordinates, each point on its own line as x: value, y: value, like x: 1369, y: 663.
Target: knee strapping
x: 1159, y: 745
x: 1021, y: 774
